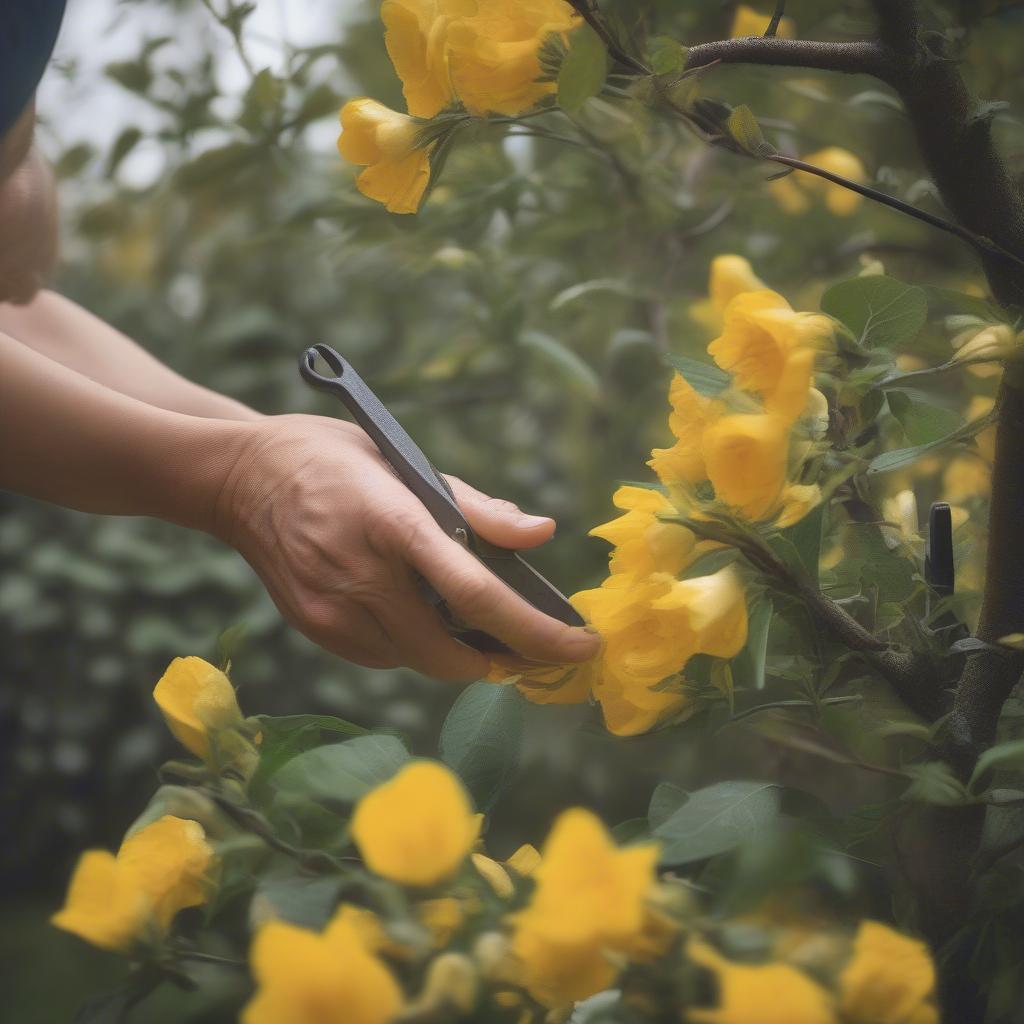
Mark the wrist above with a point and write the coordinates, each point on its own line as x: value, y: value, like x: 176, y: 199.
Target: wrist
x: 205, y: 453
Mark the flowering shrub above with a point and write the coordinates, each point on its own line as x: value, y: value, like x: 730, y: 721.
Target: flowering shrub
x: 781, y: 576
x: 401, y: 915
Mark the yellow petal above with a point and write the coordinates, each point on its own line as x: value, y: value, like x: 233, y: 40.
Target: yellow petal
x: 307, y: 978
x: 797, y: 501
x: 418, y: 827
x: 170, y: 861
x: 525, y: 860
x: 889, y: 979
x: 415, y: 38
x: 746, y: 460
x: 104, y: 905
x: 761, y: 994
x: 494, y: 875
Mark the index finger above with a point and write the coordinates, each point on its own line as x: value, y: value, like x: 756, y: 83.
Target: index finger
x: 479, y: 597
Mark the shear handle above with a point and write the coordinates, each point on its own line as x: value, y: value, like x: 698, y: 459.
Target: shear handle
x: 401, y: 452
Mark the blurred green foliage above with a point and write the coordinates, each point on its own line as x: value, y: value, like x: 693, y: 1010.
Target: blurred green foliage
x: 518, y: 327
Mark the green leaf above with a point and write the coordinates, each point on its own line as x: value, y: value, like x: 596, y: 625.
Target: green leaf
x: 1002, y: 755
x: 583, y: 70
x: 714, y: 819
x: 704, y: 378
x: 935, y: 783
x: 73, y: 160
x: 123, y: 145
x: 579, y: 373
x: 262, y: 100
x: 304, y: 900
x: 667, y: 56
x: 905, y: 456
x: 946, y: 301
x: 220, y: 163
x: 923, y: 421
x: 481, y: 739
x: 710, y: 563
x: 746, y: 132
x: 342, y: 772
x: 320, y: 102
x: 284, y: 738
x: 748, y: 667
x: 805, y: 537
x: 134, y: 75
x: 878, y: 310
x: 611, y: 285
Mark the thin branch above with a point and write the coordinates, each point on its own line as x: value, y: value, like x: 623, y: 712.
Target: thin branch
x: 859, y: 58
x: 773, y: 26
x: 978, y: 241
x: 586, y: 10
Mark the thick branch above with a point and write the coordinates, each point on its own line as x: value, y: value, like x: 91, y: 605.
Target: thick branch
x: 864, y: 58
x: 955, y: 139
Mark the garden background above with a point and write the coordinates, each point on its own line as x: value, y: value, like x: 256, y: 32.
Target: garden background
x: 518, y: 327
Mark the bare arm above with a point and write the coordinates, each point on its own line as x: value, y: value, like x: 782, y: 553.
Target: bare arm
x: 337, y: 540
x: 66, y: 333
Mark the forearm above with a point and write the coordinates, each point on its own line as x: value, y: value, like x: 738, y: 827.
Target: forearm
x: 65, y: 332
x: 69, y: 440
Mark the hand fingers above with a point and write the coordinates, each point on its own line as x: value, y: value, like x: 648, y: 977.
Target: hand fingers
x: 499, y: 521
x: 423, y: 643
x: 348, y: 632
x: 480, y: 598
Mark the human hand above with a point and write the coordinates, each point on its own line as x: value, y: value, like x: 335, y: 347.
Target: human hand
x: 338, y: 540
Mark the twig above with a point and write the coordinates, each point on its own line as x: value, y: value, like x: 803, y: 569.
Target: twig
x: 978, y: 241
x: 585, y: 9
x: 773, y: 25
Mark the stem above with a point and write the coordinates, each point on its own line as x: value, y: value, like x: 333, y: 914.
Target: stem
x: 978, y: 241
x: 773, y: 25
x: 586, y: 10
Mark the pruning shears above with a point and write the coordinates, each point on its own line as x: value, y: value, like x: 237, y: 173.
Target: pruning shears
x: 415, y: 470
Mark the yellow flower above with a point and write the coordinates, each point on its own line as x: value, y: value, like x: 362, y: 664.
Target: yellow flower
x: 197, y: 700
x: 691, y: 414
x: 759, y: 994
x: 104, y: 905
x: 729, y: 276
x: 748, y: 22
x: 493, y: 53
x: 113, y: 902
x: 328, y: 978
x: 416, y: 38
x: 384, y: 141
x: 769, y: 348
x: 590, y: 901
x: 418, y: 827
x: 789, y: 194
x: 746, y: 461
x: 716, y: 609
x: 841, y: 201
x: 890, y: 979
x: 797, y: 501
x: 997, y: 341
x: 643, y: 542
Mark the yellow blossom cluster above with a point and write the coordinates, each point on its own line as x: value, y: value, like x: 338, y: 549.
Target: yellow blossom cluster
x: 481, y: 54
x: 740, y: 453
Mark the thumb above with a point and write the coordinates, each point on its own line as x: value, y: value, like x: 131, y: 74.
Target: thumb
x: 499, y: 521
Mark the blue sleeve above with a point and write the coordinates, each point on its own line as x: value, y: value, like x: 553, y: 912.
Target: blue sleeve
x: 28, y: 31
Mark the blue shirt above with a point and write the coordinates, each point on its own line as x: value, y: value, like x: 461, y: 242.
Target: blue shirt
x: 28, y: 31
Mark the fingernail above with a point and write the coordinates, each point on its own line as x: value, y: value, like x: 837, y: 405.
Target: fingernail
x: 590, y: 629
x: 528, y: 521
